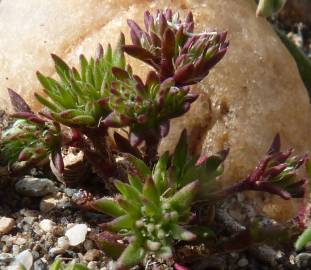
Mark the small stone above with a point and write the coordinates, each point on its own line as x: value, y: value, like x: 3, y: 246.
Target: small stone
x: 35, y: 254
x: 265, y: 254
x: 76, y: 234
x: 6, y: 257
x: 29, y: 213
x: 36, y: 229
x: 88, y: 244
x: 35, y: 187
x: 56, y: 251
x: 92, y: 255
x: 58, y: 231
x: 92, y: 265
x: 63, y: 242
x: 243, y: 262
x: 51, y: 202
x: 303, y: 260
x: 39, y: 265
x: 24, y: 258
x: 20, y: 241
x: 46, y: 225
x: 70, y: 191
x: 29, y: 220
x: 6, y: 225
x: 5, y: 249
x: 15, y: 249
x: 48, y: 203
x: 37, y: 247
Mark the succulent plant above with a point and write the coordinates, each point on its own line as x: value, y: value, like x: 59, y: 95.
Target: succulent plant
x: 105, y: 92
x: 77, y: 99
x: 276, y: 173
x: 148, y: 213
x: 172, y: 48
x: 31, y: 139
x: 29, y: 142
x: 154, y: 208
x: 145, y: 107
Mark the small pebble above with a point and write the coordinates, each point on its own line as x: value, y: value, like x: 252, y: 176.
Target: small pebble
x: 6, y: 257
x: 56, y: 251
x: 88, y: 244
x: 58, y: 231
x: 303, y: 260
x: 63, y: 242
x: 76, y: 234
x: 20, y: 241
x: 48, y: 203
x: 70, y: 191
x: 35, y: 187
x: 15, y: 249
x: 39, y: 265
x: 92, y: 255
x: 29, y: 220
x: 243, y: 262
x: 28, y: 213
x: 6, y: 225
x: 25, y: 258
x: 46, y: 225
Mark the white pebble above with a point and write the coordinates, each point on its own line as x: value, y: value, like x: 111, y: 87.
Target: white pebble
x: 46, y: 225
x: 6, y: 225
x: 76, y: 234
x: 63, y: 242
x: 24, y: 258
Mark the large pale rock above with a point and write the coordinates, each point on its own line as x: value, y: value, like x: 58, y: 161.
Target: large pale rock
x: 251, y: 95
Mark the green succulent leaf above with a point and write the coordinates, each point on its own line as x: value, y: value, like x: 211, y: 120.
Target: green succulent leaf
x: 135, y: 182
x: 132, y: 255
x: 130, y: 193
x: 138, y: 166
x: 160, y: 173
x: 303, y: 239
x: 151, y: 192
x: 179, y: 158
x: 57, y: 265
x: 124, y: 222
x: 183, y: 198
x: 179, y: 233
x: 108, y: 206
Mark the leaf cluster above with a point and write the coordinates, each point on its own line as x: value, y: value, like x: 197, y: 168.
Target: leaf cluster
x: 153, y: 209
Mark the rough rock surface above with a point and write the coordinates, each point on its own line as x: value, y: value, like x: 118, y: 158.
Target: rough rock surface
x: 251, y: 95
